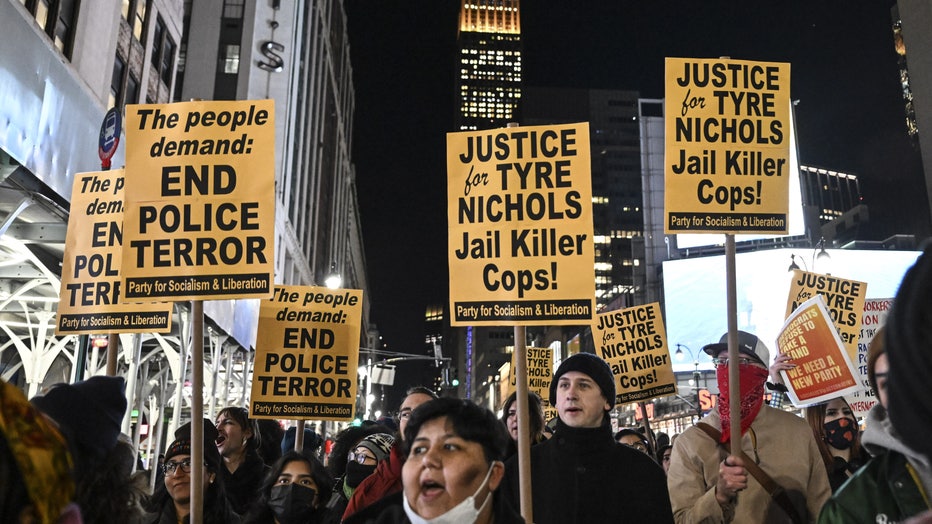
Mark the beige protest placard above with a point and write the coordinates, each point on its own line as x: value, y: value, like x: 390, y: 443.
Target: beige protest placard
x: 90, y: 296
x: 307, y: 354
x: 843, y: 298
x: 539, y: 374
x: 520, y: 226
x: 823, y: 370
x: 727, y: 130
x: 200, y: 200
x: 634, y: 343
x: 874, y: 317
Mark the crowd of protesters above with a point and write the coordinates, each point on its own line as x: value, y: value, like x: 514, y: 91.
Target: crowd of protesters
x: 445, y: 460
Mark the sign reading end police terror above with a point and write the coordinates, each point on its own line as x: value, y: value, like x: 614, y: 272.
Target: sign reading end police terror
x: 520, y: 226
x: 727, y: 146
x: 307, y: 352
x: 200, y: 200
x: 90, y: 297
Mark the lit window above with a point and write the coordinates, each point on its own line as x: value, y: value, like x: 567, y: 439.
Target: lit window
x: 231, y: 59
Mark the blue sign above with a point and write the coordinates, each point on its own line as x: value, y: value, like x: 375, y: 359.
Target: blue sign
x: 109, y: 139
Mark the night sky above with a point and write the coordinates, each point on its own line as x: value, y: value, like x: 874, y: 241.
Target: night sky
x: 843, y: 68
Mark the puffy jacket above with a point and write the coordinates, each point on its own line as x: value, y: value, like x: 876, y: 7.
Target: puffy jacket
x: 889, y: 487
x: 884, y: 490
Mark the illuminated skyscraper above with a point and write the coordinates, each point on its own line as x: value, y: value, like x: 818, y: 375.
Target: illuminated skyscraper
x: 489, y: 81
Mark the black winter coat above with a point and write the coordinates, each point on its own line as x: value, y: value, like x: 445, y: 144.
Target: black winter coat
x: 243, y: 485
x: 582, y: 476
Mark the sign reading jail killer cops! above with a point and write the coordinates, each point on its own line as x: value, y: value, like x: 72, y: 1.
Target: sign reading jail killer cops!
x: 200, y: 201
x: 90, y: 298
x: 727, y: 146
x: 307, y: 352
x: 823, y: 370
x: 844, y: 299
x: 874, y: 317
x: 539, y: 376
x: 634, y: 343
x: 520, y: 226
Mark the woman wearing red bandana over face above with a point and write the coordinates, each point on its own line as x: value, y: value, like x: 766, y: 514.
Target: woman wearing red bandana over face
x: 836, y: 431
x: 707, y: 483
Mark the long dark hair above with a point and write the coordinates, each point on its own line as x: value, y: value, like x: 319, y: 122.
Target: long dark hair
x: 260, y: 511
x: 216, y: 508
x: 815, y: 415
x: 535, y: 414
x: 110, y: 491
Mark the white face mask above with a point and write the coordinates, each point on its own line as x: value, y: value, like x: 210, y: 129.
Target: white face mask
x: 463, y: 513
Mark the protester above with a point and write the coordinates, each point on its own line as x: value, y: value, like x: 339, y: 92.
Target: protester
x: 363, y: 459
x: 312, y: 440
x: 896, y: 483
x: 510, y: 419
x: 581, y: 473
x: 36, y: 483
x: 634, y: 439
x: 345, y: 442
x: 386, y: 480
x: 171, y: 501
x: 238, y: 441
x: 663, y: 457
x: 707, y: 483
x: 89, y: 414
x: 453, y: 470
x: 909, y: 347
x: 271, y: 435
x: 836, y: 432
x: 294, y: 491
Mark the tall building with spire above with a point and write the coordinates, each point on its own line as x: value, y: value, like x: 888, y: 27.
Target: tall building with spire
x: 489, y: 77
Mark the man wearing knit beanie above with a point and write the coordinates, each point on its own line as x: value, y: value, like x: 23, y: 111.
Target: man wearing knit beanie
x: 581, y: 469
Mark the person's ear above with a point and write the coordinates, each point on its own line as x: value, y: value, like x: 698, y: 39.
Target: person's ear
x: 498, y: 473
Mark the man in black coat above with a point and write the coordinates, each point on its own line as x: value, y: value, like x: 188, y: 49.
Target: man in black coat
x: 581, y: 475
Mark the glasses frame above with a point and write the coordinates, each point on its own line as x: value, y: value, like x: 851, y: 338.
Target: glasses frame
x: 360, y: 458
x: 171, y: 467
x: 742, y: 361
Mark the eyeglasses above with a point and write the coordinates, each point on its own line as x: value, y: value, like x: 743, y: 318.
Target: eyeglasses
x: 637, y: 445
x: 360, y: 457
x: 170, y: 467
x: 404, y: 415
x: 722, y: 362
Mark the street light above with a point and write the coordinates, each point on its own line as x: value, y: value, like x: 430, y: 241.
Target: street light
x: 819, y: 254
x: 679, y: 355
x: 333, y: 280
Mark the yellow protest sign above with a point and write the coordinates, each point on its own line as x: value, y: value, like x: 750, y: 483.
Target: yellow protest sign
x: 843, y: 298
x: 90, y: 295
x: 727, y: 146
x: 200, y: 200
x: 307, y: 353
x: 823, y: 370
x: 539, y: 374
x: 634, y: 343
x: 520, y: 226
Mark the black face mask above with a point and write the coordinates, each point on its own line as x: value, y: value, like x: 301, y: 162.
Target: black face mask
x: 356, y: 472
x: 292, y: 503
x: 840, y: 433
